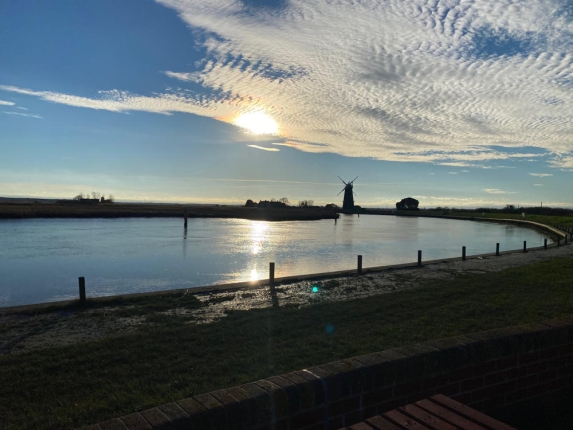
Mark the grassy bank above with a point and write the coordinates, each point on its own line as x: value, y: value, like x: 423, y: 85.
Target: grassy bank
x: 565, y: 221
x: 85, y: 383
x: 122, y: 210
x: 561, y: 221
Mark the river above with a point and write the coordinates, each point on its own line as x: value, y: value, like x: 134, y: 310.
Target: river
x: 41, y: 259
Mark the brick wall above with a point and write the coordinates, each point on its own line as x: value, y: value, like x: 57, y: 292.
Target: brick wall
x: 483, y: 370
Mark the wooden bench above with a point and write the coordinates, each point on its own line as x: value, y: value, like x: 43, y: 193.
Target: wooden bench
x: 436, y: 413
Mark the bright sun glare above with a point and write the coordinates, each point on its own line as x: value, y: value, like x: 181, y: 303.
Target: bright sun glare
x: 257, y: 122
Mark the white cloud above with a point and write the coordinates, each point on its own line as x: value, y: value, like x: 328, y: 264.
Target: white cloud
x: 27, y: 115
x: 563, y: 162
x: 264, y: 148
x: 189, y: 77
x: 5, y: 103
x: 541, y: 175
x: 496, y: 191
x: 537, y: 185
x: 392, y: 80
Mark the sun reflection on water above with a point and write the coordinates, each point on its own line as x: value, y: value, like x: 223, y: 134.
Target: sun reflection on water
x: 254, y: 275
x: 258, y: 235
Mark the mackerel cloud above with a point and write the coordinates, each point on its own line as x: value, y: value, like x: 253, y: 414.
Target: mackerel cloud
x: 450, y: 82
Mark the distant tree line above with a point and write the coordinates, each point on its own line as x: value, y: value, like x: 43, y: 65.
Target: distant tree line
x: 285, y: 203
x: 408, y: 204
x: 94, y: 197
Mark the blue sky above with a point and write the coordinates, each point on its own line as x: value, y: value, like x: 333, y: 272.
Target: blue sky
x: 460, y: 103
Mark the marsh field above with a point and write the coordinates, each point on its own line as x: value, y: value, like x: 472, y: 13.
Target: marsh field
x: 144, y: 210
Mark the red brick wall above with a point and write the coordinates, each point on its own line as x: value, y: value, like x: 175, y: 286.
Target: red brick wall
x: 483, y: 370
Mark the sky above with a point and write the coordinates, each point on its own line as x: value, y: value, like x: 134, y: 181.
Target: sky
x: 458, y: 103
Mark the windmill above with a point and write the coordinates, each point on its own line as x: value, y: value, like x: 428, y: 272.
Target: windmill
x: 348, y: 202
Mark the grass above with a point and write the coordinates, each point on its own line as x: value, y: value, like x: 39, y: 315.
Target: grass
x: 71, y: 386
x: 123, y: 306
x: 566, y: 221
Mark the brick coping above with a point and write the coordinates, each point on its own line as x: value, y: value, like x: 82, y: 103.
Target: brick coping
x: 484, y: 370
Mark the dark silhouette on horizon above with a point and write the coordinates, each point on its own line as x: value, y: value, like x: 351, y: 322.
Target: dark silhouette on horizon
x: 348, y: 201
x: 408, y: 204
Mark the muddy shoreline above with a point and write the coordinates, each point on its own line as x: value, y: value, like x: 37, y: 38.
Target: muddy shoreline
x: 39, y: 326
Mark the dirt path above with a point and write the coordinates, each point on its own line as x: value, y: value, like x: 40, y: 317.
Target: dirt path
x: 28, y: 330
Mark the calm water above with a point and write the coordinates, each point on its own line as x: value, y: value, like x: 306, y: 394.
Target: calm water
x: 41, y: 259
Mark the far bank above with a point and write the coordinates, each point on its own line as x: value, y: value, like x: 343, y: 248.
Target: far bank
x: 149, y: 210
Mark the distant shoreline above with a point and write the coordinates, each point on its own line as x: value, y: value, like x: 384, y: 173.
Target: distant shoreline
x: 150, y: 210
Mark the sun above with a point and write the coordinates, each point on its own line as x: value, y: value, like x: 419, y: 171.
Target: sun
x: 257, y: 122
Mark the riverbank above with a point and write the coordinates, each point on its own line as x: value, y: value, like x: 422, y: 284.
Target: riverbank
x: 33, y: 327
x: 67, y: 366
x: 147, y: 210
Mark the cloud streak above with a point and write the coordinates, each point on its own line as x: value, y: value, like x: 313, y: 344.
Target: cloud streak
x: 27, y: 115
x: 264, y: 148
x: 5, y: 103
x: 496, y: 191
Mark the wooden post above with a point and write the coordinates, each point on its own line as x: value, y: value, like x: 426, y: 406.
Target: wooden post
x: 272, y: 276
x: 463, y: 253
x: 558, y: 241
x: 82, y: 282
x: 497, y: 249
x: 524, y: 246
x: 419, y: 258
x: 359, y: 270
x: 185, y: 218
x: 545, y: 243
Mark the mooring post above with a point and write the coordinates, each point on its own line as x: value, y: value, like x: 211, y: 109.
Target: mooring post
x: 463, y: 253
x: 497, y: 249
x: 359, y: 270
x: 185, y: 218
x: 545, y: 243
x: 419, y: 258
x: 82, y: 282
x: 524, y: 246
x: 272, y: 276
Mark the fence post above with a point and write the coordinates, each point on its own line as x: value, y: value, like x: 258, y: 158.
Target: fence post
x: 545, y: 243
x: 497, y: 249
x: 359, y: 270
x: 82, y: 282
x: 463, y: 253
x: 524, y: 246
x: 419, y: 258
x: 272, y: 276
